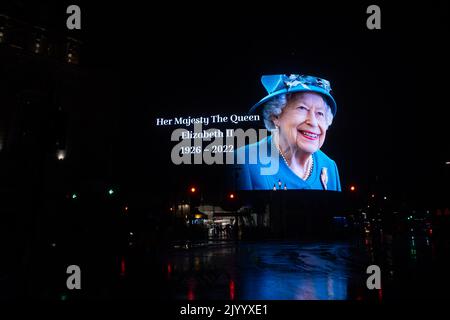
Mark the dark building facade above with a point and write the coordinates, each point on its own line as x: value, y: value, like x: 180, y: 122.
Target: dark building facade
x: 59, y: 133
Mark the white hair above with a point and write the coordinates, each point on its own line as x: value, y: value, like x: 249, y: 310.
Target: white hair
x: 275, y: 106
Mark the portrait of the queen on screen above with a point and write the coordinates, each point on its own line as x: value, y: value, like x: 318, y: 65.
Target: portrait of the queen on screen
x: 297, y: 112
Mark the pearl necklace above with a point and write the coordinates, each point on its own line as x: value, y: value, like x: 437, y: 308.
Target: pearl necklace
x: 309, y: 165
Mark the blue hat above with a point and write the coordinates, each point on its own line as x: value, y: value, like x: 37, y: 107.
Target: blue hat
x: 283, y: 83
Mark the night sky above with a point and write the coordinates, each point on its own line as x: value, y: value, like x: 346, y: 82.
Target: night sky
x: 390, y: 84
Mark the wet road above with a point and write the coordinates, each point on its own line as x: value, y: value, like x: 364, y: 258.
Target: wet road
x: 271, y: 270
x: 412, y: 267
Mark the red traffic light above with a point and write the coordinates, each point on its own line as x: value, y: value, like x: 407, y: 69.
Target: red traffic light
x: 352, y: 188
x: 231, y: 195
x: 193, y: 189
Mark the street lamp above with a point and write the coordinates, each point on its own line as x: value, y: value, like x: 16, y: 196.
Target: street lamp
x: 61, y: 154
x: 192, y: 190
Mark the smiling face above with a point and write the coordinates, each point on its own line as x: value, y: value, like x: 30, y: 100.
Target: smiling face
x: 303, y: 124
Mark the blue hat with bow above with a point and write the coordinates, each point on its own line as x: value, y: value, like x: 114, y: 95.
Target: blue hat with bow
x: 283, y: 84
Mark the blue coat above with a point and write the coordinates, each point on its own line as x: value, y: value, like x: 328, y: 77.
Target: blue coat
x: 248, y: 176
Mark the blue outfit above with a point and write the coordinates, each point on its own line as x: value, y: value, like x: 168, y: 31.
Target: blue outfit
x: 249, y: 177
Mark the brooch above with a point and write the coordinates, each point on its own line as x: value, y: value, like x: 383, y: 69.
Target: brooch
x: 324, y: 177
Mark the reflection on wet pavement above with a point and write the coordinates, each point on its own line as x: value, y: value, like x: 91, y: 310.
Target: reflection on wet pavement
x: 412, y: 267
x: 276, y: 271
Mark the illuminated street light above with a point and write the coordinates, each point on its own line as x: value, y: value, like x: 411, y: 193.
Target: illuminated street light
x: 232, y: 196
x: 193, y: 190
x: 61, y: 154
x: 352, y: 188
